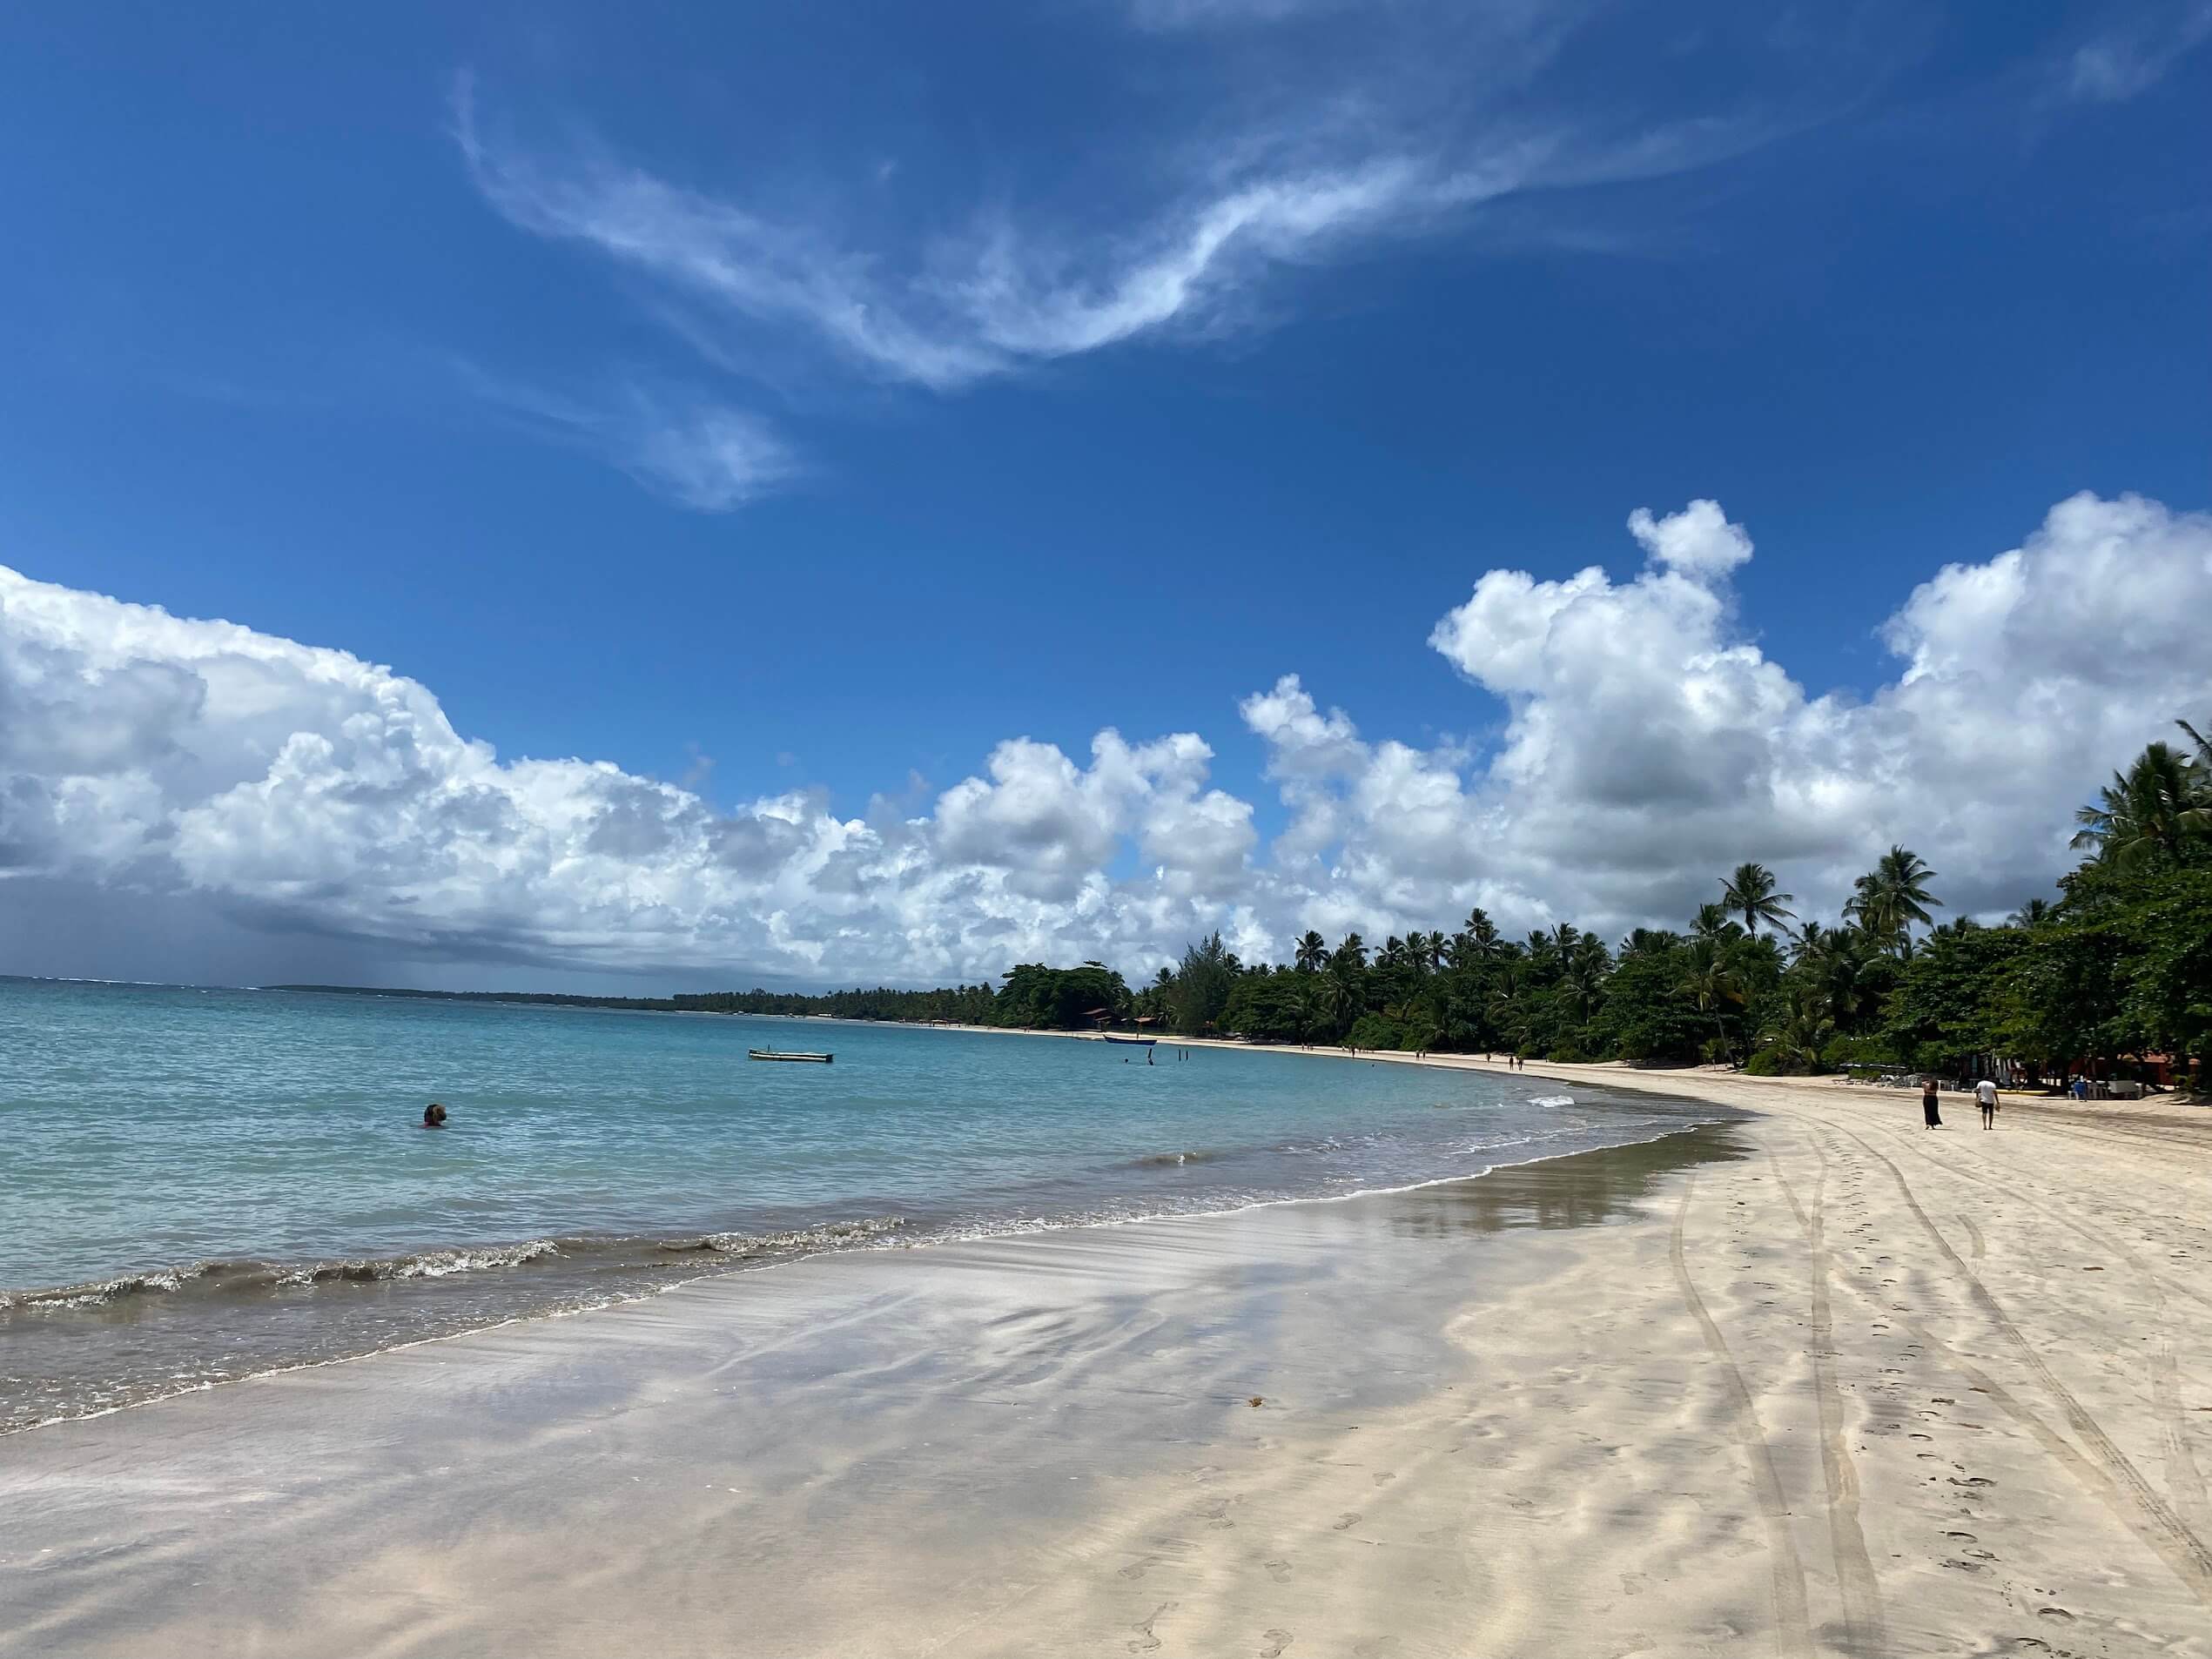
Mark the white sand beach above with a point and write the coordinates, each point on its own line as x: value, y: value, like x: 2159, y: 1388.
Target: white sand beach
x: 1821, y: 1383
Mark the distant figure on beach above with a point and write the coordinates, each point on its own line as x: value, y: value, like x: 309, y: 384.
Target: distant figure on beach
x: 1984, y: 1094
x: 2080, y: 1090
x: 433, y: 1116
x: 1928, y: 1101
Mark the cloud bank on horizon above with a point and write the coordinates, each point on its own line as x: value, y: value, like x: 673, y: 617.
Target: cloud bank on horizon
x: 1648, y: 743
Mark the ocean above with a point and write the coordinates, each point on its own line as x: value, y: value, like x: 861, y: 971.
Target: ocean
x: 200, y: 1184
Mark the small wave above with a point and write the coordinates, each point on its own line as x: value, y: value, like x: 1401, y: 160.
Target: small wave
x: 1170, y: 1160
x: 1549, y: 1101
x: 833, y: 1235
x: 234, y: 1277
x: 425, y: 1264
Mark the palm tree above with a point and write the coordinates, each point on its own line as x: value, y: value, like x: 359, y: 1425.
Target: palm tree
x: 1431, y: 949
x: 1712, y: 923
x: 1350, y: 957
x: 1800, y: 1031
x: 1313, y: 952
x: 1582, y: 979
x: 1647, y: 941
x: 1710, y: 982
x: 2203, y: 758
x: 1833, y: 961
x: 1483, y: 931
x: 1749, y: 893
x: 1503, y: 1008
x: 1890, y: 897
x: 2148, y: 813
x: 2033, y: 914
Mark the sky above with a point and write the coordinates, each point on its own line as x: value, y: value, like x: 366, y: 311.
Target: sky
x: 651, y: 498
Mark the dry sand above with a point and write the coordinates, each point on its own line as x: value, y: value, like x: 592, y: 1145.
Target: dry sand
x: 1823, y: 1382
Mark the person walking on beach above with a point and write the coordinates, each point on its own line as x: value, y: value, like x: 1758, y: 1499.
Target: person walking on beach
x: 1984, y: 1094
x: 1928, y: 1101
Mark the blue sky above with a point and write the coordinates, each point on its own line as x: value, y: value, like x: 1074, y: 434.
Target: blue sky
x: 834, y: 394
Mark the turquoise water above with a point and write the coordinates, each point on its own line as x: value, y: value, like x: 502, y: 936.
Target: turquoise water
x: 201, y: 1184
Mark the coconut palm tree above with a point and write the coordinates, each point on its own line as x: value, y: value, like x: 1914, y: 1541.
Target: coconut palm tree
x: 1798, y: 1033
x: 1712, y: 923
x: 1350, y: 957
x: 2147, y: 814
x: 1583, y: 969
x: 1709, y: 980
x: 2204, y: 745
x: 1833, y: 961
x: 1313, y: 952
x: 1890, y: 897
x: 1503, y: 1008
x: 2033, y: 914
x: 1749, y: 893
x: 1483, y: 932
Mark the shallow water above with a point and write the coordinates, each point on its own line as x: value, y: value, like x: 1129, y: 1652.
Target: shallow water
x: 198, y: 1185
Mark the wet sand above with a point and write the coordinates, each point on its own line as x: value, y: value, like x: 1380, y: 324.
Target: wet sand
x: 1817, y: 1383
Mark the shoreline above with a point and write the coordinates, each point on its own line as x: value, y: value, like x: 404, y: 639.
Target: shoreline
x: 1840, y: 1386
x: 1719, y: 1085
x: 735, y: 1264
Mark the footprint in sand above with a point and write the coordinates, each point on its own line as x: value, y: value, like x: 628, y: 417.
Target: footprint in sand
x: 1384, y: 1479
x: 1135, y: 1569
x: 1272, y: 1643
x: 1377, y: 1647
x: 1350, y: 1517
x: 1279, y: 1571
x: 2053, y: 1613
x: 1146, y: 1641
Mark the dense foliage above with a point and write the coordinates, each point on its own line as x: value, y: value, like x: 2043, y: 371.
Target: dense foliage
x: 2118, y: 964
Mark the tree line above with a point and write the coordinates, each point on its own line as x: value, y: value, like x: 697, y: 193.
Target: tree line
x: 2119, y: 964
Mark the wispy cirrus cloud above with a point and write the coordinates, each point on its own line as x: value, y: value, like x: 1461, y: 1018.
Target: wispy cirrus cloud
x: 984, y: 303
x: 1388, y: 127
x: 997, y: 295
x: 2135, y: 57
x: 693, y: 450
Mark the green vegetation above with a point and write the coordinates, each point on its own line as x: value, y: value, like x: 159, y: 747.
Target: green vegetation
x: 2118, y: 965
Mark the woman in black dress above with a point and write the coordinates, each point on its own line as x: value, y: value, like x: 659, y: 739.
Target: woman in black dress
x: 1928, y: 1101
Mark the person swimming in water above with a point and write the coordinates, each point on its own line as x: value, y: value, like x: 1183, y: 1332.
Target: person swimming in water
x: 433, y: 1116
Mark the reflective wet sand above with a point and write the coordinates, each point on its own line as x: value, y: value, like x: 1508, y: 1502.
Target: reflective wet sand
x: 1804, y: 1385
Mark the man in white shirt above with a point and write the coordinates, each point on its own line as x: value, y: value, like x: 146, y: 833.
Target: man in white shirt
x: 1984, y: 1094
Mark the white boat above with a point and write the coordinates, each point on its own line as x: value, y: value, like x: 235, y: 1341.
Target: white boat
x: 786, y: 1054
x: 1133, y: 1042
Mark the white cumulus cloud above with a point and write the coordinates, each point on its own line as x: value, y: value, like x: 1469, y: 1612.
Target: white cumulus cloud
x: 1644, y: 741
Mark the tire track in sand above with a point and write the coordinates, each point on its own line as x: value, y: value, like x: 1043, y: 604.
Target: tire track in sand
x: 1793, y: 1625
x: 1865, y: 1630
x: 2153, y: 1519
x: 2184, y: 1479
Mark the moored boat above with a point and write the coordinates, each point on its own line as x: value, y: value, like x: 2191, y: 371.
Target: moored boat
x: 784, y: 1054
x: 1132, y: 1042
